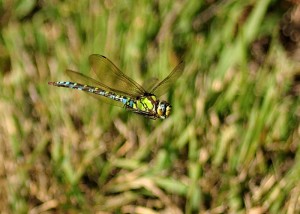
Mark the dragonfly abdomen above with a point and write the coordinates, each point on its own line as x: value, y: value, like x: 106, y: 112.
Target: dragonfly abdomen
x: 91, y: 89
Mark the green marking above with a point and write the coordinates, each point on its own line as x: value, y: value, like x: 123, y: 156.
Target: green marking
x: 145, y: 104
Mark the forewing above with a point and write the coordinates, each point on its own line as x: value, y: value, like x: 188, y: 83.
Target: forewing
x: 162, y: 87
x: 108, y: 74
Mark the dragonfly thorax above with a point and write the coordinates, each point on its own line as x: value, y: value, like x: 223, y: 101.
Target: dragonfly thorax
x: 149, y: 106
x: 163, y: 109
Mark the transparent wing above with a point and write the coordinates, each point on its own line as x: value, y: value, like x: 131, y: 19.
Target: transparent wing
x: 162, y: 87
x: 82, y: 79
x: 143, y: 113
x: 108, y: 74
x: 150, y: 83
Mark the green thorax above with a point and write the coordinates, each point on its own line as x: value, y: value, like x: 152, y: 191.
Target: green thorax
x: 144, y: 103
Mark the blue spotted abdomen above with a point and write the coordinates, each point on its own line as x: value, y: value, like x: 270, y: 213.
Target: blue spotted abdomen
x: 92, y: 89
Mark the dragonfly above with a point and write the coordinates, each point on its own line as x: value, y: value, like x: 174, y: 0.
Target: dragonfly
x: 111, y: 84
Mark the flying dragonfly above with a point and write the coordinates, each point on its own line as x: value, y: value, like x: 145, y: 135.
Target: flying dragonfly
x: 112, y: 84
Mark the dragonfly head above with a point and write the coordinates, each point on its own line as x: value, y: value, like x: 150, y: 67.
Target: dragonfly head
x: 163, y: 109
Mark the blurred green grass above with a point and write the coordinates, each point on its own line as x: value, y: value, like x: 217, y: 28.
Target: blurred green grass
x: 230, y: 145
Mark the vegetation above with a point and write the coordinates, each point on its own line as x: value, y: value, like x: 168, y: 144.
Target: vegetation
x: 231, y: 144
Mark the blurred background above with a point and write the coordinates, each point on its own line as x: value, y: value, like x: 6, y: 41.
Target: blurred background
x: 231, y: 144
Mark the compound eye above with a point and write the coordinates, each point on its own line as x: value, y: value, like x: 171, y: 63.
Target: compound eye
x: 168, y: 111
x: 163, y: 107
x: 159, y: 111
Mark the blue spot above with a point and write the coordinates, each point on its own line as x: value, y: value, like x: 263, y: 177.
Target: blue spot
x: 131, y: 103
x: 124, y: 100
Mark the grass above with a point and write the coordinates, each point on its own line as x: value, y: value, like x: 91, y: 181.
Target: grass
x: 230, y: 145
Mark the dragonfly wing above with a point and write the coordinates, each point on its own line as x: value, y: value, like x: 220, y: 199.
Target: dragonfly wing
x: 143, y: 113
x: 162, y: 87
x: 113, y: 77
x: 82, y: 79
x: 150, y: 83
